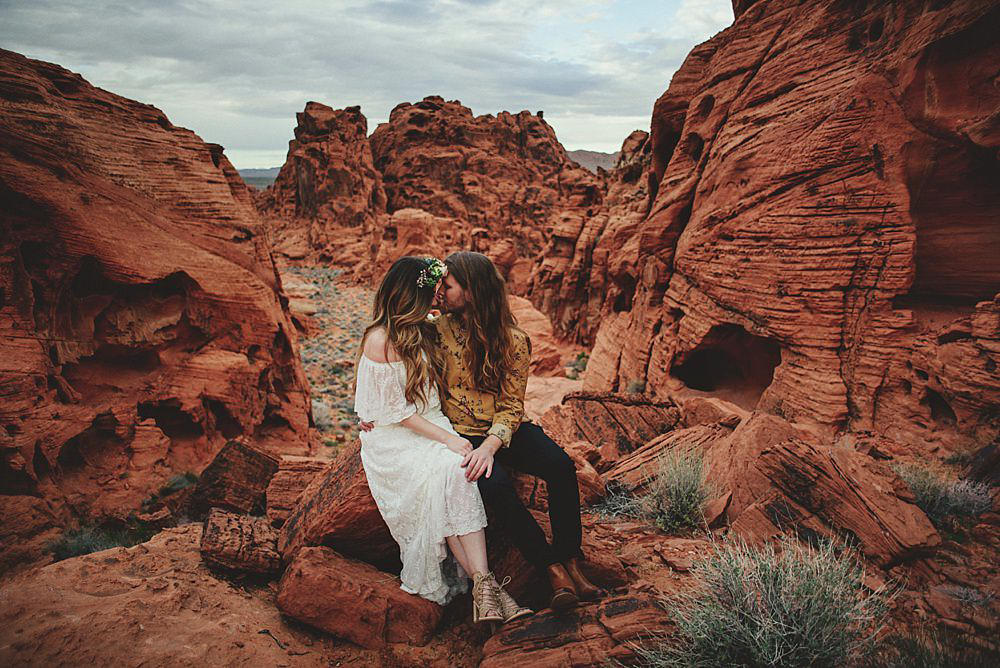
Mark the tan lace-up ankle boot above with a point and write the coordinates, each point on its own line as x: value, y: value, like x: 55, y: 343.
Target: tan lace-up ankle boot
x: 485, y: 602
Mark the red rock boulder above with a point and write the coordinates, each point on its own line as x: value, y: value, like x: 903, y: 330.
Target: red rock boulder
x: 354, y: 601
x: 587, y: 636
x: 337, y: 510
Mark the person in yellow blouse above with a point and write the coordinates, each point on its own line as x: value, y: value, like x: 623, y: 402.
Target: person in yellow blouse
x: 487, y: 358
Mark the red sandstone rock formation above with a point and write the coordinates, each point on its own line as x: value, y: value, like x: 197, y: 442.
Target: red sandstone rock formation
x: 337, y: 510
x: 293, y: 475
x: 548, y: 355
x: 241, y: 543
x: 571, y: 282
x: 328, y: 198
x: 821, y: 241
x: 142, y: 320
x: 506, y: 178
x: 413, y: 232
x: 769, y: 479
x: 592, y: 636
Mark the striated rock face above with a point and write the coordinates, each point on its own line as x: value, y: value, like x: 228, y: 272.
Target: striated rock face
x: 548, y: 355
x: 327, y: 199
x: 141, y: 318
x: 821, y: 241
x: 589, y: 636
x: 613, y: 424
x: 768, y: 478
x: 504, y: 178
x: 413, y: 232
x: 571, y: 282
x: 337, y: 510
x: 240, y: 543
x: 235, y: 480
x: 293, y: 475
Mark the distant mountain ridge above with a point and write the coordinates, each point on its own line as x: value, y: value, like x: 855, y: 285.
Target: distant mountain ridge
x: 593, y: 159
x: 259, y: 177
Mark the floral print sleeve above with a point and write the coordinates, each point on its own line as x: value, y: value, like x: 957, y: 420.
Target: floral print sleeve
x: 510, y: 400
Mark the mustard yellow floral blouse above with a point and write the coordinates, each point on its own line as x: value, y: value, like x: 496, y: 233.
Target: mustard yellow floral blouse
x: 474, y: 412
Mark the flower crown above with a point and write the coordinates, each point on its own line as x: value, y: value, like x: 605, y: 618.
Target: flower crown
x: 434, y: 270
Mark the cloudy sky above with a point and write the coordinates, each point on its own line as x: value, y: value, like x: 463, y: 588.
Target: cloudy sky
x: 237, y: 71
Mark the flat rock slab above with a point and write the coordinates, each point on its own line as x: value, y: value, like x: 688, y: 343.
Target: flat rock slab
x: 236, y: 479
x: 615, y: 423
x: 586, y: 636
x: 240, y: 542
x: 354, y: 601
x: 154, y: 604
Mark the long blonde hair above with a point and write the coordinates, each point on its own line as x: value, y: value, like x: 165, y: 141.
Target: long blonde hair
x: 401, y: 308
x: 491, y: 325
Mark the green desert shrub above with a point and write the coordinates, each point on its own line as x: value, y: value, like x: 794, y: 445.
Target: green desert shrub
x: 635, y: 387
x: 178, y: 482
x: 787, y: 604
x: 577, y: 366
x: 97, y: 537
x: 678, y: 492
x: 945, y: 499
x: 675, y: 496
x: 619, y: 502
x: 173, y: 484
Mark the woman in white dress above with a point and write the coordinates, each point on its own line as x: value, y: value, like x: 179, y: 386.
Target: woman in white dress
x: 413, y: 457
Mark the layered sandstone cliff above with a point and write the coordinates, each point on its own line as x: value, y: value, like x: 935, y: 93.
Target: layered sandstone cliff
x: 507, y: 174
x: 821, y: 238
x: 431, y: 180
x: 571, y: 282
x: 142, y: 317
x: 327, y: 199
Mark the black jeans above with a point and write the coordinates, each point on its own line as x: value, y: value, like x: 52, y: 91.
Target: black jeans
x: 531, y: 451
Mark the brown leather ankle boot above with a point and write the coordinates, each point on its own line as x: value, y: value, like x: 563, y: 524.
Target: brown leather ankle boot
x: 585, y: 589
x: 563, y: 592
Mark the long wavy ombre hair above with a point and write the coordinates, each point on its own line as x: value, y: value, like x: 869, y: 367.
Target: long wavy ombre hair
x: 401, y: 308
x: 488, y: 318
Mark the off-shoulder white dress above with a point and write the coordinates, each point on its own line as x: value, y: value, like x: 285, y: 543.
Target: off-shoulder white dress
x: 418, y: 484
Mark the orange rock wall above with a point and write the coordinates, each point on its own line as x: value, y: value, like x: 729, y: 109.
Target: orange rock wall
x: 142, y: 317
x: 821, y: 241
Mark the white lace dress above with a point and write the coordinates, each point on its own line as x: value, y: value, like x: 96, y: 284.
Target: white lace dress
x: 418, y: 484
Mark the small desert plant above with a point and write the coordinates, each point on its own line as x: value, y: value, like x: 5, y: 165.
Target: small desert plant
x: 784, y: 605
x: 178, y: 482
x: 97, y: 537
x: 577, y: 366
x: 635, y: 387
x: 619, y: 502
x: 678, y: 491
x: 945, y: 499
x: 676, y: 494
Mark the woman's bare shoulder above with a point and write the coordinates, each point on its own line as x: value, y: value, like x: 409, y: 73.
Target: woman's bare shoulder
x: 377, y: 347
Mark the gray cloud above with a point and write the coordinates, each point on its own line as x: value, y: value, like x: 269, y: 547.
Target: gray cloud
x: 236, y: 72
